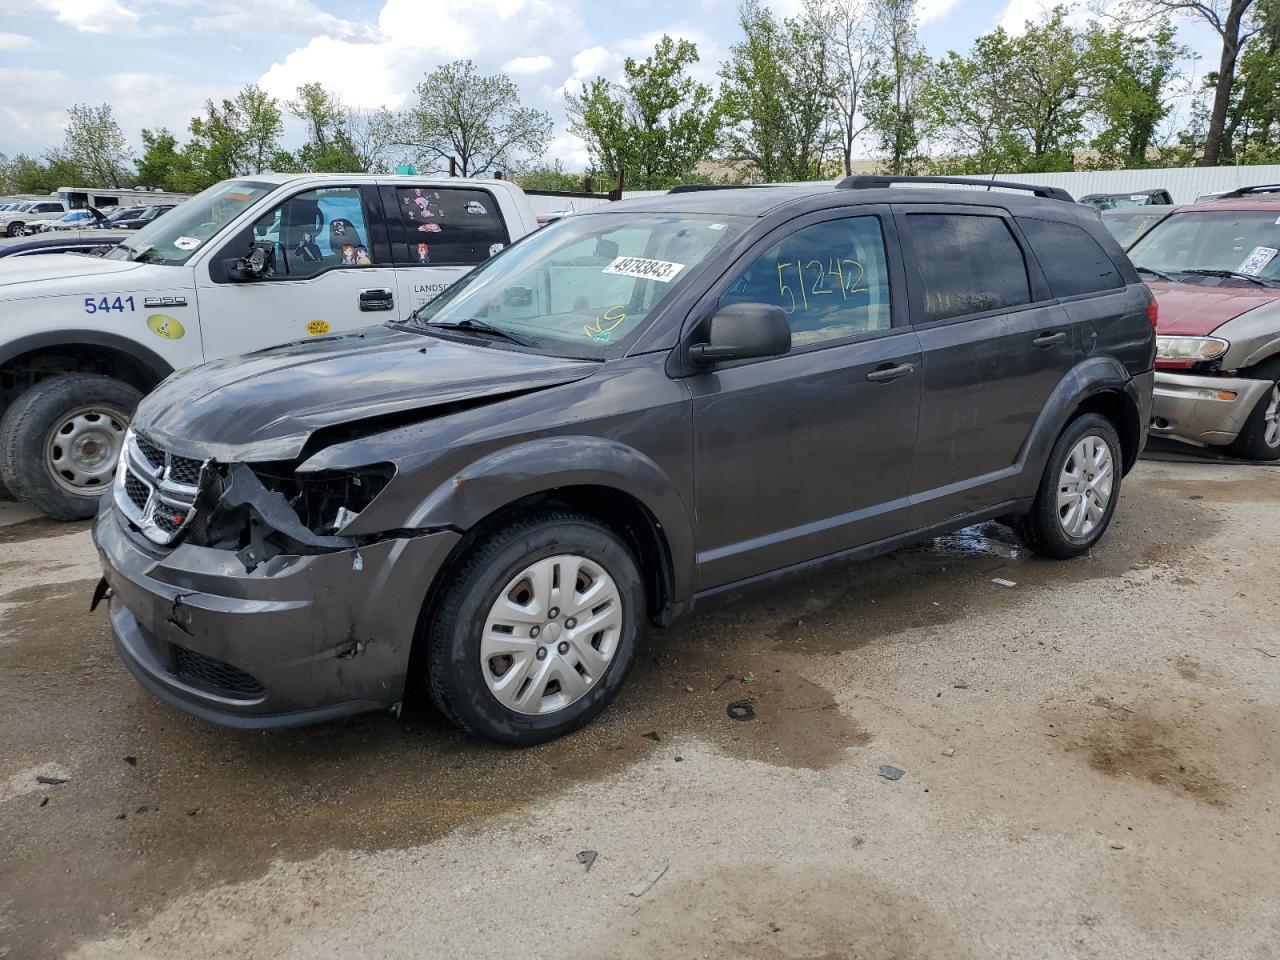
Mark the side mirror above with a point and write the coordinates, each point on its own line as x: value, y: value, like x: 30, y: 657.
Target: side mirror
x: 744, y: 331
x: 256, y: 264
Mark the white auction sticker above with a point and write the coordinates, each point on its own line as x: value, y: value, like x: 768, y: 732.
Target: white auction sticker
x: 186, y: 243
x: 661, y: 270
x: 1257, y: 261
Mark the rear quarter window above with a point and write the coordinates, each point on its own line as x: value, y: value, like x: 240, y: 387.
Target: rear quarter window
x: 446, y: 226
x: 1073, y: 262
x: 968, y: 263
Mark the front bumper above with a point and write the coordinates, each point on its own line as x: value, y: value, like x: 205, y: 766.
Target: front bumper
x: 297, y: 640
x: 1191, y: 408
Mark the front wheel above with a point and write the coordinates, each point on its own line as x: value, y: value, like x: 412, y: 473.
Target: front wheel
x: 14, y: 229
x: 60, y: 440
x: 1078, y: 491
x: 1259, y: 439
x: 537, y: 629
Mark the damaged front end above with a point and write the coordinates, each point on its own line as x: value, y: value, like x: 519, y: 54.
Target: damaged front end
x: 258, y: 511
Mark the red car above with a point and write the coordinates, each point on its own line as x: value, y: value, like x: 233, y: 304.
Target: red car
x: 1214, y: 268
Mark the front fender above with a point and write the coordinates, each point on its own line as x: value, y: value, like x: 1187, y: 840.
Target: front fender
x: 549, y: 463
x: 1091, y: 378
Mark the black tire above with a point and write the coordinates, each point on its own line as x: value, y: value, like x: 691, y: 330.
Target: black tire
x: 14, y: 229
x: 454, y: 629
x: 1042, y: 528
x: 27, y: 426
x: 1252, y: 443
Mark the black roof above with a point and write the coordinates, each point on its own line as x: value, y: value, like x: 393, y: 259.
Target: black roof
x: 764, y: 200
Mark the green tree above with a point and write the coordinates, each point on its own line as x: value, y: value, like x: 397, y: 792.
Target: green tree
x: 95, y: 147
x: 970, y: 108
x: 328, y: 148
x: 655, y: 127
x: 854, y: 54
x: 552, y: 176
x: 1252, y: 132
x: 896, y: 110
x: 1046, y: 96
x: 1130, y: 86
x: 233, y: 139
x: 1235, y: 22
x: 262, y: 124
x: 476, y: 119
x: 775, y: 96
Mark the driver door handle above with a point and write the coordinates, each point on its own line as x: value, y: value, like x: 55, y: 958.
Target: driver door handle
x: 886, y: 374
x: 376, y: 298
x: 1046, y: 340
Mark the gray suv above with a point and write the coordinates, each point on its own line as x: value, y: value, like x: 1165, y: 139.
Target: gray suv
x: 619, y: 417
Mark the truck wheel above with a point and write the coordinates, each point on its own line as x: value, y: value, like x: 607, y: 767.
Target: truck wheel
x: 1259, y: 439
x: 1078, y: 491
x: 537, y: 629
x: 60, y: 440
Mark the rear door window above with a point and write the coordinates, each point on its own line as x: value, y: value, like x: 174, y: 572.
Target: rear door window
x: 1073, y: 262
x: 445, y: 226
x: 968, y: 264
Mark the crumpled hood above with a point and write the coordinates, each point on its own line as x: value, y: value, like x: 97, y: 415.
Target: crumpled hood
x: 266, y: 405
x: 50, y: 274
x: 1197, y: 309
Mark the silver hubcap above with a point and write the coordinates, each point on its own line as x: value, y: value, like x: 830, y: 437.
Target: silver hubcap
x: 551, y: 634
x: 1084, y: 489
x: 1271, y: 418
x: 82, y: 450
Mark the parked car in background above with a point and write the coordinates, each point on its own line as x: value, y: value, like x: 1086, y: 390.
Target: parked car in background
x: 96, y: 242
x: 139, y: 218
x: 119, y: 213
x: 1128, y: 224
x: 12, y: 222
x: 246, y: 264
x: 1138, y: 198
x: 1215, y: 270
x: 634, y: 409
x: 72, y: 220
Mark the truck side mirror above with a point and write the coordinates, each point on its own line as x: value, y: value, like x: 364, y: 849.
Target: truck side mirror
x: 255, y: 265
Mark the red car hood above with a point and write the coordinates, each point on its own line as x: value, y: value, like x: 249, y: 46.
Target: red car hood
x: 1196, y: 310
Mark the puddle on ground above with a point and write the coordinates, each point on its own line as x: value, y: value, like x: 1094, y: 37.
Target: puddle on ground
x: 202, y: 805
x: 1253, y: 489
x: 42, y: 528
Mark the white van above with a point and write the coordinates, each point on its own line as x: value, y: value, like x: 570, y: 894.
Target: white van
x: 246, y: 264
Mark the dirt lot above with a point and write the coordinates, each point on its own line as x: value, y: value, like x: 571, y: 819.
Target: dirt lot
x: 1091, y: 767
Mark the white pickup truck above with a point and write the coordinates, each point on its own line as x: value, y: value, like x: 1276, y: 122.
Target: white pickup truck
x: 246, y: 264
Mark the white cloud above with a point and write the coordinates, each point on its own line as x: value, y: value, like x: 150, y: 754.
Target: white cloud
x: 287, y: 16
x: 1018, y: 12
x: 87, y: 16
x: 931, y: 11
x: 16, y: 41
x: 528, y: 66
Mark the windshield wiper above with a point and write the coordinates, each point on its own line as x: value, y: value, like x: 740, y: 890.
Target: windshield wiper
x: 481, y: 326
x: 1160, y: 274
x: 1230, y: 275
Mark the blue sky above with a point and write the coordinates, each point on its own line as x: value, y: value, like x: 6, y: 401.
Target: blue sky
x: 156, y: 61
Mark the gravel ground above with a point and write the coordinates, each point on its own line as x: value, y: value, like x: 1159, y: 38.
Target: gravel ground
x: 1090, y: 764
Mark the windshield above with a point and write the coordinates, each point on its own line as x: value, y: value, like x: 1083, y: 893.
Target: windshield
x: 585, y: 286
x: 1239, y: 241
x: 1128, y: 225
x: 174, y: 239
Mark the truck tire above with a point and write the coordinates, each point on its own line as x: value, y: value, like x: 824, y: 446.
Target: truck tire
x: 1259, y: 438
x: 1078, y: 492
x: 60, y: 440
x: 536, y: 630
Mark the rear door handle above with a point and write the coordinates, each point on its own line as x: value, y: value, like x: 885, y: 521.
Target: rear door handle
x: 885, y: 374
x: 376, y: 298
x: 1046, y: 340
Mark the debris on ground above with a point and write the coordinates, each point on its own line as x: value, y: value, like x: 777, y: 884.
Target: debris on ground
x: 748, y: 678
x: 949, y: 752
x: 890, y: 772
x: 587, y: 858
x: 1002, y: 582
x: 641, y: 888
x: 652, y: 735
x: 44, y: 801
x: 741, y: 710
x: 1117, y: 846
x: 960, y: 686
x: 51, y: 781
x: 688, y: 689
x: 131, y: 761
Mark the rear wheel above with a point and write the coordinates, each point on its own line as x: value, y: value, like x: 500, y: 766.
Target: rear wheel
x: 15, y: 228
x: 1078, y: 492
x: 537, y: 629
x: 1259, y: 439
x: 60, y: 440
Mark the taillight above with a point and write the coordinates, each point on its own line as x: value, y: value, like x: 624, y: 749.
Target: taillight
x: 1153, y: 313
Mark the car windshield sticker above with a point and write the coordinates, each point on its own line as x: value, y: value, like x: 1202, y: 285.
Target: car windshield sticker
x: 187, y: 243
x: 1257, y: 261
x: 661, y: 270
x: 715, y: 226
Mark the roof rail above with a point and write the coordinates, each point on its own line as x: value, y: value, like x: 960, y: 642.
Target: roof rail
x: 1246, y: 191
x: 877, y: 182
x: 699, y: 187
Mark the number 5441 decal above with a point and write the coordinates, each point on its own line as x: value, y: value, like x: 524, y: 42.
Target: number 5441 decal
x: 108, y: 305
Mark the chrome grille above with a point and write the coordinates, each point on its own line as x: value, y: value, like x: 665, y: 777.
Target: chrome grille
x: 156, y: 490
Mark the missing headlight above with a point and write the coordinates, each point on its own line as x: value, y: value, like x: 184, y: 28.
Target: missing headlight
x: 326, y: 502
